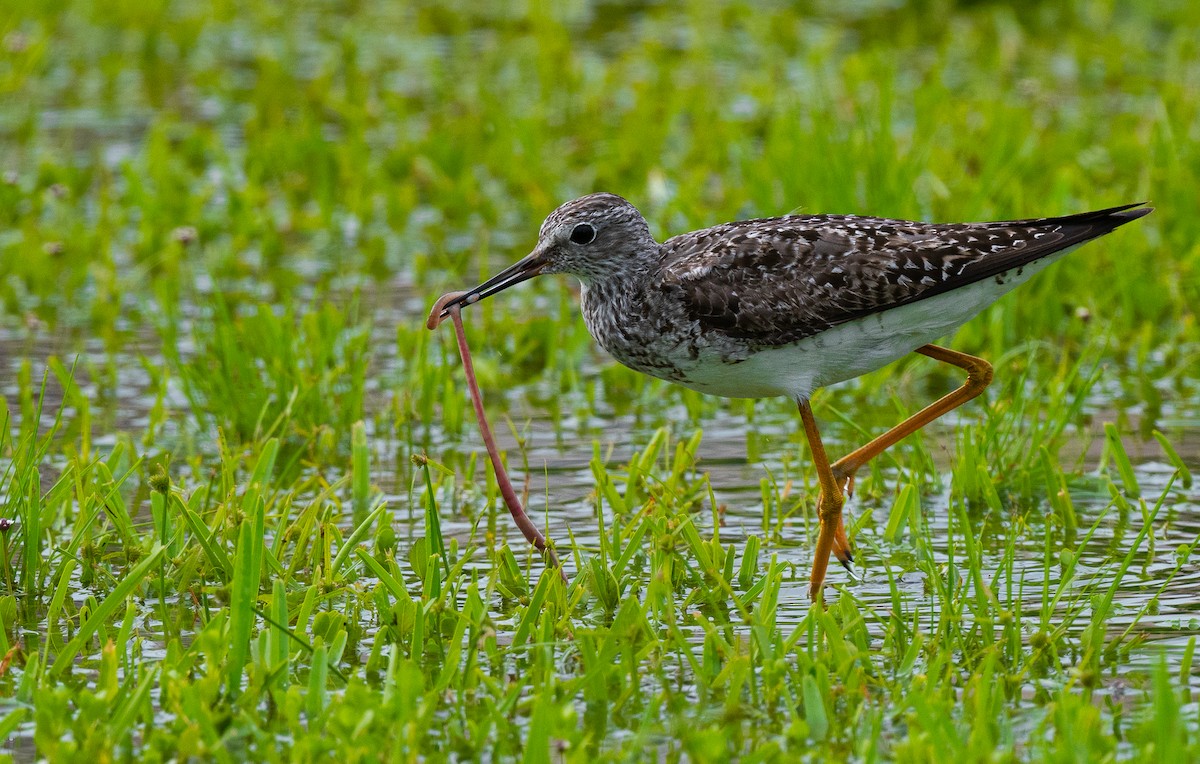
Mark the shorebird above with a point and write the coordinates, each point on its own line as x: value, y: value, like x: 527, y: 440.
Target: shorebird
x: 783, y: 306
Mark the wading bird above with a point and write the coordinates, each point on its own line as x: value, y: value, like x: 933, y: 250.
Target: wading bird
x: 783, y: 306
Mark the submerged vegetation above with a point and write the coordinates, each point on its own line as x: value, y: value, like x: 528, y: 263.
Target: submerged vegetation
x: 244, y: 511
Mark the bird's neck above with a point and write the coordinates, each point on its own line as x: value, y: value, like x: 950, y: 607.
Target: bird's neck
x: 623, y: 272
x: 604, y: 303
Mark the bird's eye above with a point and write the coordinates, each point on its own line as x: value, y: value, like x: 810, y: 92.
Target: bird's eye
x: 583, y: 234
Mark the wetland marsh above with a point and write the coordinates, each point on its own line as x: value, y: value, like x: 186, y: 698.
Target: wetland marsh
x: 245, y: 513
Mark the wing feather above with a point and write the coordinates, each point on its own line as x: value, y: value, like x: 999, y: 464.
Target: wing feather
x: 777, y: 280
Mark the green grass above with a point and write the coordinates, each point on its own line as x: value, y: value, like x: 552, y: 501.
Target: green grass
x: 244, y: 511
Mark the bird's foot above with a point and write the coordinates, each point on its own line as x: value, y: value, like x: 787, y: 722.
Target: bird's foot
x: 841, y: 543
x: 845, y: 481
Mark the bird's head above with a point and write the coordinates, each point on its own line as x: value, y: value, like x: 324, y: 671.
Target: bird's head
x: 594, y: 237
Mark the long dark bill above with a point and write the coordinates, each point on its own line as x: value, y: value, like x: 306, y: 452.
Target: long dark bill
x: 522, y: 270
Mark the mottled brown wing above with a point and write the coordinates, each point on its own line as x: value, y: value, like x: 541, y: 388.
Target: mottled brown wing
x: 778, y: 280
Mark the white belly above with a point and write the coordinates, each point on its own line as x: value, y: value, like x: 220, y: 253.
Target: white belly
x: 854, y: 348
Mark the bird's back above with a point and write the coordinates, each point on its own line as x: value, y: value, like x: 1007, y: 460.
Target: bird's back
x: 774, y: 281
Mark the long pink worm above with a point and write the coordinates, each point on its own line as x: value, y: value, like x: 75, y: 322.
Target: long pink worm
x: 530, y: 531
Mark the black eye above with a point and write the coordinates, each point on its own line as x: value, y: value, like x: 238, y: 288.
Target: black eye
x: 583, y: 234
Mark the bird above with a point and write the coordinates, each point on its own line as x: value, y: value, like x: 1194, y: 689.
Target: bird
x: 784, y: 306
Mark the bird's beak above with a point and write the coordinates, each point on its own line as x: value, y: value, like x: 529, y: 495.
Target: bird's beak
x: 522, y: 270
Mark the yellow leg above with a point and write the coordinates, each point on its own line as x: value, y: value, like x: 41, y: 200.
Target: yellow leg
x: 840, y: 475
x: 829, y: 504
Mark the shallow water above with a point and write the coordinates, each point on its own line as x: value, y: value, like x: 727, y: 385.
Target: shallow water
x: 1158, y: 604
x: 558, y: 452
